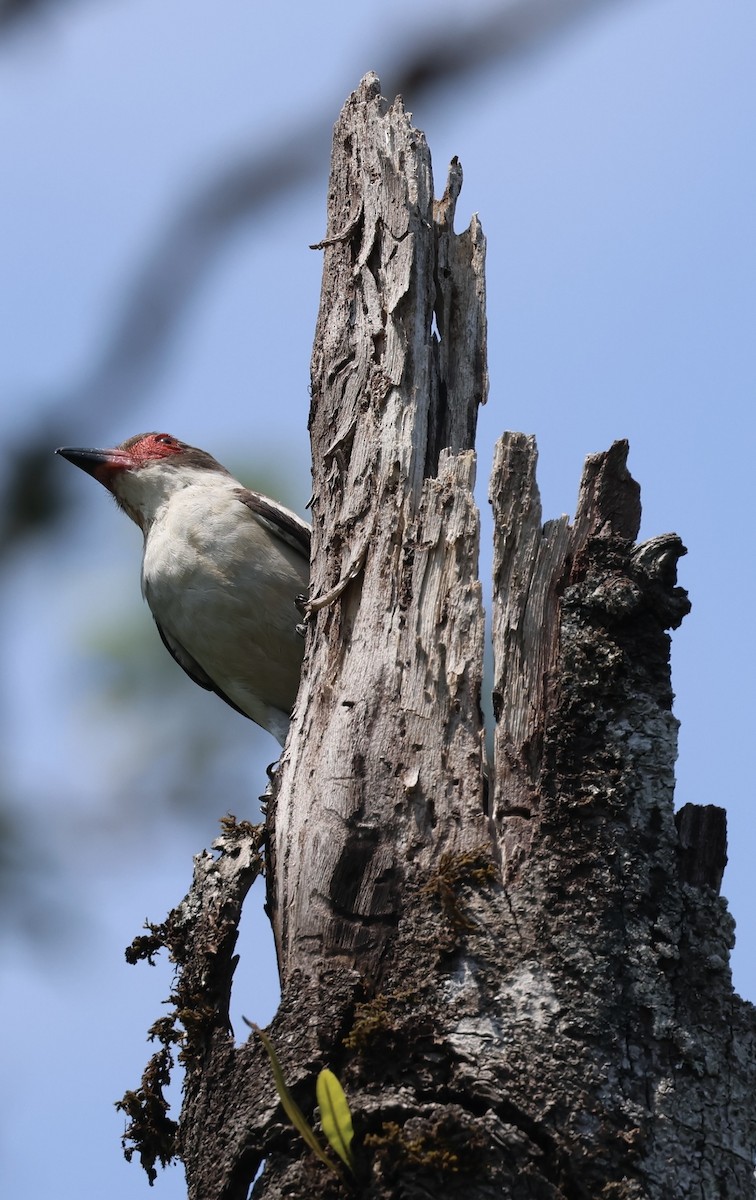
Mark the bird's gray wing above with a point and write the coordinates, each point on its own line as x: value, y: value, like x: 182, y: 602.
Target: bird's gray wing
x: 192, y: 668
x: 283, y: 524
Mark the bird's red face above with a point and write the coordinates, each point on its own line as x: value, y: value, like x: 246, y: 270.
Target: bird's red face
x: 106, y: 465
x: 146, y: 447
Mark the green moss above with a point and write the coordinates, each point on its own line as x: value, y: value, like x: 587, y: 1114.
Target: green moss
x: 150, y: 1132
x: 393, y: 1146
x: 454, y: 875
x: 441, y: 1148
x: 379, y: 1017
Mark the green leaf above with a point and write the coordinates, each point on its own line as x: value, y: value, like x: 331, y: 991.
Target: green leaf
x: 289, y: 1104
x: 335, y: 1116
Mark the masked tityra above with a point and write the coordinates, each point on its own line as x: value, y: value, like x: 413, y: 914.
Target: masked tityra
x: 221, y: 570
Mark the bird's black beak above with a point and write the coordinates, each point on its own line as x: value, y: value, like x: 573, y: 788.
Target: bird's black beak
x: 101, y: 464
x: 88, y: 460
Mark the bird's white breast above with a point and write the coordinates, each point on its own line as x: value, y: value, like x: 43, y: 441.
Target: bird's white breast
x: 220, y: 584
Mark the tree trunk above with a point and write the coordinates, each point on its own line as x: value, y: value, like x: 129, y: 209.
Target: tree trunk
x: 521, y: 980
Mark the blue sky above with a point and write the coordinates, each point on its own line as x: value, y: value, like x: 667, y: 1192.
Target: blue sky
x: 614, y: 176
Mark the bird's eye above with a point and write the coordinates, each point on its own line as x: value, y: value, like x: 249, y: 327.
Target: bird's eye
x: 165, y: 439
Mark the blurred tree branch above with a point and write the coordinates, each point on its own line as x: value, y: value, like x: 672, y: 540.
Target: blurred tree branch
x: 15, y: 12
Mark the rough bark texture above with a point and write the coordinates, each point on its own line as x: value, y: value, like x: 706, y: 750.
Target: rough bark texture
x: 384, y: 771
x: 523, y: 983
x: 618, y: 986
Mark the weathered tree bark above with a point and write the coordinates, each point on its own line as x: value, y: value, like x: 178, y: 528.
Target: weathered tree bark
x: 522, y: 981
x: 385, y: 776
x: 618, y: 990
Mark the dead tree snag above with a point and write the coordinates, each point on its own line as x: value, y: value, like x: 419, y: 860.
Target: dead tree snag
x: 519, y: 975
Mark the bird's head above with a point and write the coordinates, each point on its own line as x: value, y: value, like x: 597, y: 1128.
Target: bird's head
x: 144, y: 471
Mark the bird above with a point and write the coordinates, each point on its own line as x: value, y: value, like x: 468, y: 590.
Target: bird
x: 225, y: 570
